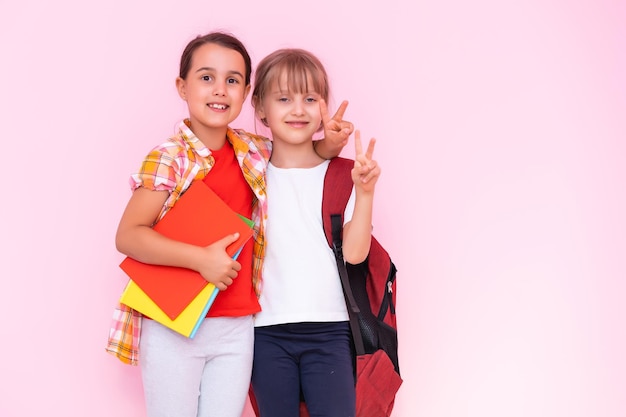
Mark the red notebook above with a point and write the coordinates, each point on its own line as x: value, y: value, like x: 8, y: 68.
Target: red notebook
x: 199, y: 217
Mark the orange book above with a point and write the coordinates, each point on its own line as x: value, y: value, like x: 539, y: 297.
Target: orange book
x: 199, y: 217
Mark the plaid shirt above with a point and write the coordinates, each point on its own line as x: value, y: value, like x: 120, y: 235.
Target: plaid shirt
x: 173, y: 166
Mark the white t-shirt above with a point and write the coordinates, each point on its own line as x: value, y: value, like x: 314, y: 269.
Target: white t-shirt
x: 300, y: 278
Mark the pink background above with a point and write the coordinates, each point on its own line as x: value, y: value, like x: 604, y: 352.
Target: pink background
x: 501, y: 135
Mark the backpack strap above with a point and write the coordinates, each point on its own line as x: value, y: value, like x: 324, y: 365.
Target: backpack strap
x: 337, y: 190
x: 353, y: 308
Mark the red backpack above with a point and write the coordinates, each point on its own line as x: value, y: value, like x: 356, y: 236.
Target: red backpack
x: 369, y: 290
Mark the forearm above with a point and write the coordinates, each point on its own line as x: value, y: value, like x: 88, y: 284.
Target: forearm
x: 144, y: 244
x: 136, y: 238
x: 327, y: 149
x: 357, y: 233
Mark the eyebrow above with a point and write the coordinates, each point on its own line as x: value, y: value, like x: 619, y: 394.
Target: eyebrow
x: 213, y: 69
x: 289, y: 91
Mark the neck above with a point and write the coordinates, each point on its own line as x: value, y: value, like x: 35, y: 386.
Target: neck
x: 285, y: 155
x: 212, y: 137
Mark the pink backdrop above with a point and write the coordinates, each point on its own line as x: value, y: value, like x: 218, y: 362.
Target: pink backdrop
x: 501, y: 135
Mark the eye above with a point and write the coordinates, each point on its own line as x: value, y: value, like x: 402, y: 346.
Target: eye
x: 310, y: 99
x: 283, y: 99
x: 232, y: 81
x: 206, y: 78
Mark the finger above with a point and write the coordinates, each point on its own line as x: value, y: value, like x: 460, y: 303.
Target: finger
x: 372, y: 174
x: 340, y: 111
x: 346, y: 127
x: 228, y: 239
x: 358, y: 148
x: 370, y: 148
x: 231, y: 274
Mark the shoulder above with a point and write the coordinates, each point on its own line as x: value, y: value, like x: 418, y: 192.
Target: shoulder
x: 172, y: 156
x: 182, y: 144
x: 254, y: 141
x: 179, y: 147
x: 172, y: 146
x: 340, y: 165
x: 254, y: 148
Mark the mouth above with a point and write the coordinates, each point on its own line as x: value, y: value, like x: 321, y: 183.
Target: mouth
x: 218, y: 106
x: 297, y: 124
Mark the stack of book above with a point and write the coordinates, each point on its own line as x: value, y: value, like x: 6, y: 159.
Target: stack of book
x: 180, y: 298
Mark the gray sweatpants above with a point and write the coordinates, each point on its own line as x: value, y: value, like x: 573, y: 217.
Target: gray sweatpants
x: 207, y: 376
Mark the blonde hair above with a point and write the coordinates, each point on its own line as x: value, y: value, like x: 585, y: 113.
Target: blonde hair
x: 298, y: 65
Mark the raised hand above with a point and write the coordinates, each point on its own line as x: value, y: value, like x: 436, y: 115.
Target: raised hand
x: 336, y: 130
x: 366, y: 170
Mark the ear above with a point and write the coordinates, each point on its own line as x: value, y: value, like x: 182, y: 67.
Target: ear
x: 181, y: 87
x: 246, y: 92
x: 260, y: 112
x: 258, y: 107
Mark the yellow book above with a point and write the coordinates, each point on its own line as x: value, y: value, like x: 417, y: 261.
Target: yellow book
x: 188, y: 320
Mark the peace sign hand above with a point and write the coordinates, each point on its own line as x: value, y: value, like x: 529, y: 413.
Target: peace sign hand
x: 336, y: 130
x: 366, y: 171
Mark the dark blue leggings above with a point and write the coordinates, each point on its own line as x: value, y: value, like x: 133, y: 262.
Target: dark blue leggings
x: 309, y: 359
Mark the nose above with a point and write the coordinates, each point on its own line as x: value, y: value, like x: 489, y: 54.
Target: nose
x: 219, y: 89
x: 298, y: 108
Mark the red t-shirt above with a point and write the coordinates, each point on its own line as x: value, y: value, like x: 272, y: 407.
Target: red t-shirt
x: 228, y: 182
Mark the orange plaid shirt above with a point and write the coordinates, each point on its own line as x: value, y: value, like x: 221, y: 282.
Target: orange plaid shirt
x: 172, y: 166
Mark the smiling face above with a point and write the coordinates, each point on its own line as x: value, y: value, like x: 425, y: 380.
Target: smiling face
x: 289, y: 85
x: 293, y: 115
x: 215, y: 90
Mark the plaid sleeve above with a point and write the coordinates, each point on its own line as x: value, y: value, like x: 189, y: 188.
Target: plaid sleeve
x: 157, y: 172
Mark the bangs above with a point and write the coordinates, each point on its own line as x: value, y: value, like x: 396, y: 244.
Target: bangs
x: 297, y: 78
x: 300, y: 76
x: 294, y: 71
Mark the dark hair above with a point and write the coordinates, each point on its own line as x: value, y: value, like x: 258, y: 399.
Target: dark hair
x: 298, y: 65
x: 219, y: 38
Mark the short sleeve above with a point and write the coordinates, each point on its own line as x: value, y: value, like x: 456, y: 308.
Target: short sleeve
x: 157, y: 172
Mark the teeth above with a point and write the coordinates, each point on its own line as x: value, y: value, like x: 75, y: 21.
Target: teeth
x: 218, y: 106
